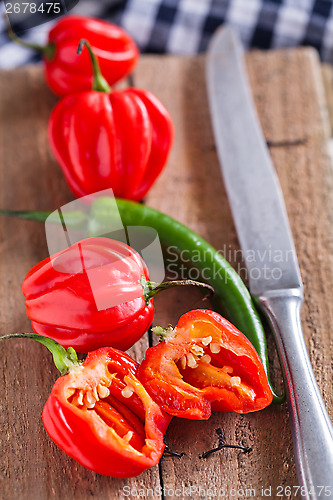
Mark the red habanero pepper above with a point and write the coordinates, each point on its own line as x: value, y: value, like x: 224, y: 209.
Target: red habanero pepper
x: 93, y: 294
x: 100, y: 414
x: 204, y: 364
x: 65, y: 73
x: 110, y: 139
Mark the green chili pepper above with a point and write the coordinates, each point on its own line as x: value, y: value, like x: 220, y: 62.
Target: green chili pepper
x: 227, y: 284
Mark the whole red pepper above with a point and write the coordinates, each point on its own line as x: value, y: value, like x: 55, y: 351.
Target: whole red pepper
x: 95, y: 293
x: 205, y: 364
x: 100, y: 414
x: 110, y: 139
x: 65, y: 73
x: 71, y: 296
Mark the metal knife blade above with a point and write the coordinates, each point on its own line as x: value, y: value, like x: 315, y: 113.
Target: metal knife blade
x: 264, y: 234
x: 251, y: 182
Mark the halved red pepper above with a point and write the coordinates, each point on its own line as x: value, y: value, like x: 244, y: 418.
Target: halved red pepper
x: 205, y: 364
x: 100, y: 414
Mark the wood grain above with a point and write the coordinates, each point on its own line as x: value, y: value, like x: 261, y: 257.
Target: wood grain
x: 289, y: 94
x: 327, y: 74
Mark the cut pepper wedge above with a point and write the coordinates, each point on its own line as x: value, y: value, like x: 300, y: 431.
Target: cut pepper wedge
x: 205, y: 364
x: 102, y: 416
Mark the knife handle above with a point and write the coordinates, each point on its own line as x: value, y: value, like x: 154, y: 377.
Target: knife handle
x: 311, y: 428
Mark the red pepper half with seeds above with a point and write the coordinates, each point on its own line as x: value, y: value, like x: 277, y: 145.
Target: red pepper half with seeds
x: 94, y: 293
x: 106, y: 139
x: 100, y: 414
x: 204, y: 364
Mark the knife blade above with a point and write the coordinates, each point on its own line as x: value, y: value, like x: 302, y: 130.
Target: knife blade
x: 266, y: 241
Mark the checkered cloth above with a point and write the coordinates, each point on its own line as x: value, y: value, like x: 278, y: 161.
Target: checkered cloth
x: 185, y: 26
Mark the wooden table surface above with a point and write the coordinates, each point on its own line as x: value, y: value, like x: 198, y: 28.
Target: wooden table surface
x: 289, y: 94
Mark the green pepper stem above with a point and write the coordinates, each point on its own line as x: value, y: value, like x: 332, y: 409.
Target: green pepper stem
x: 28, y: 215
x: 150, y: 289
x: 64, y: 359
x: 163, y: 333
x: 47, y: 50
x: 75, y: 219
x: 99, y: 82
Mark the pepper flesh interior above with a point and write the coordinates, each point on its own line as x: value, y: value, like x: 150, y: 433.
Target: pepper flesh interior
x: 208, y: 364
x: 120, y: 410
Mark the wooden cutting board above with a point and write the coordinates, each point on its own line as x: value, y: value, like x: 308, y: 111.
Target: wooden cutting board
x: 289, y: 94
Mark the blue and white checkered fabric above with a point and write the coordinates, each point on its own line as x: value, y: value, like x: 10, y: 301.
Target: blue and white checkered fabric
x: 185, y: 26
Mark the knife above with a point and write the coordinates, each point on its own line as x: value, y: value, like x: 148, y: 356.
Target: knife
x: 263, y: 231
